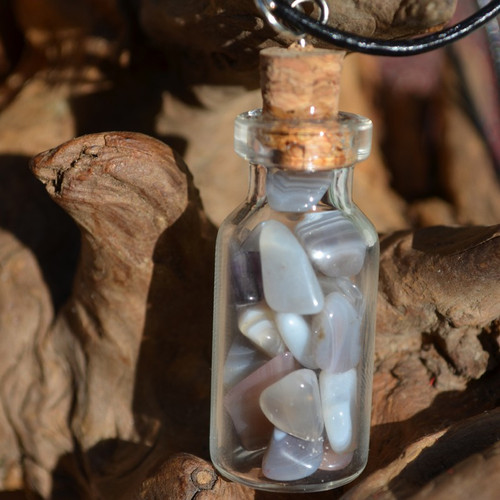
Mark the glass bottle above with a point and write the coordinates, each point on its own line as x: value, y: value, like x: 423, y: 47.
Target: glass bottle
x: 295, y: 292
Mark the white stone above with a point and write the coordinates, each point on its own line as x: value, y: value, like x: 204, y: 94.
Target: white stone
x: 289, y: 458
x: 338, y: 399
x: 289, y: 281
x: 345, y: 287
x: 293, y: 405
x: 336, y: 331
x: 334, y: 461
x: 297, y: 336
x: 333, y: 243
x: 296, y: 191
x: 257, y: 324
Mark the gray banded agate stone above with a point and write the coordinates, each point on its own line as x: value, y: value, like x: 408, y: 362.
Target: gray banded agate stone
x: 338, y: 396
x: 242, y: 401
x: 257, y: 324
x: 296, y: 191
x: 289, y: 458
x: 332, y: 242
x: 245, y: 275
x: 289, y: 281
x: 293, y: 405
x: 337, y: 330
x: 241, y: 360
x: 297, y: 336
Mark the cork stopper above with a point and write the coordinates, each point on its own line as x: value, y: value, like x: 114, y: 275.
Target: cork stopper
x: 300, y: 91
x: 300, y: 82
x: 299, y: 127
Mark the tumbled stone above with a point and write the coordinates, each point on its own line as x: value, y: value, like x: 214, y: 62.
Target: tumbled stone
x: 257, y: 324
x: 289, y: 458
x: 293, y: 405
x: 333, y: 243
x: 345, y: 287
x: 252, y: 237
x: 297, y: 336
x: 246, y: 279
x: 241, y: 360
x: 338, y: 397
x: 242, y: 401
x: 290, y: 284
x: 337, y: 343
x: 334, y: 461
x: 289, y: 191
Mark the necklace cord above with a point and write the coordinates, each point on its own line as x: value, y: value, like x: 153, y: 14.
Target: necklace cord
x: 349, y: 41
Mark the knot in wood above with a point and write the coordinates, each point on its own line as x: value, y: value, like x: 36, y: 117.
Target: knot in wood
x: 203, y: 478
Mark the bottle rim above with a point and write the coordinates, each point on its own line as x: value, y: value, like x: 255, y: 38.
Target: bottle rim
x: 306, y: 144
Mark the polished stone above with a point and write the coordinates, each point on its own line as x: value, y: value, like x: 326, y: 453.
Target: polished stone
x: 338, y: 396
x: 246, y: 276
x: 252, y: 237
x: 290, y: 284
x: 296, y: 191
x: 296, y: 334
x: 257, y: 324
x: 242, y: 401
x: 333, y: 243
x: 293, y: 405
x: 337, y: 344
x: 334, y: 461
x: 241, y: 360
x: 345, y: 287
x: 289, y: 458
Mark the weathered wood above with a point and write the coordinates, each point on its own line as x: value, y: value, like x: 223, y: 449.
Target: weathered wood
x: 88, y: 43
x: 390, y: 19
x: 185, y: 476
x: 103, y: 396
x: 126, y: 362
x: 432, y: 388
x: 446, y: 463
x: 91, y: 383
x: 218, y: 40
x: 167, y: 22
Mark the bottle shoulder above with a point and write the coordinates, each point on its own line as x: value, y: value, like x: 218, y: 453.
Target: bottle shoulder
x: 247, y: 216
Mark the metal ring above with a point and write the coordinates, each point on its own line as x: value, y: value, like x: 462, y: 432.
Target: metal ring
x: 267, y: 6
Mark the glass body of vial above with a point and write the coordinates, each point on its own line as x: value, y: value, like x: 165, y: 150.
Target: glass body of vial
x: 294, y: 314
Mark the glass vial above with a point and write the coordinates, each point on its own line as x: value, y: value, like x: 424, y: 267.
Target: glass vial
x: 295, y: 291
x: 294, y: 313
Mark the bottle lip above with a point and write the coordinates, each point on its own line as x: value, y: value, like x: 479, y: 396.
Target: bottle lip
x: 306, y: 144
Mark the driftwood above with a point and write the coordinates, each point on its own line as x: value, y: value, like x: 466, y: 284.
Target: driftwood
x: 105, y: 325
x: 187, y: 476
x: 167, y: 22
x: 109, y: 78
x: 125, y: 364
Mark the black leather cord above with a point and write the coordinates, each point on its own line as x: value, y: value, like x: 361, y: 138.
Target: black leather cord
x: 293, y: 17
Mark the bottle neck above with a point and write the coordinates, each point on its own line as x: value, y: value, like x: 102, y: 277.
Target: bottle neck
x: 340, y: 192
x: 266, y: 184
x: 256, y: 194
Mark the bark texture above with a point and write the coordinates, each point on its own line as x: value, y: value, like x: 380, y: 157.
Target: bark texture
x: 167, y: 22
x: 102, y: 393
x: 185, y: 476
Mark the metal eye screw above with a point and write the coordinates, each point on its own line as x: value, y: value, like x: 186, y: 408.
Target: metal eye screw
x: 266, y: 6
